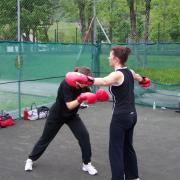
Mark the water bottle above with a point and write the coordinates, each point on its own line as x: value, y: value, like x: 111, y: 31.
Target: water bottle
x: 154, y: 105
x: 26, y: 114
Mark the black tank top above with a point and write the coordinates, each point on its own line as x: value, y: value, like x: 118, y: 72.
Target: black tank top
x: 123, y: 95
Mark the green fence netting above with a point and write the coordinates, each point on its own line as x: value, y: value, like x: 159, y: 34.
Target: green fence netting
x: 31, y: 72
x: 160, y: 62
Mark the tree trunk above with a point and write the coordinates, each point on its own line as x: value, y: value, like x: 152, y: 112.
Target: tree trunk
x: 110, y: 31
x: 90, y: 11
x: 111, y: 21
x: 81, y: 6
x: 146, y: 20
x: 46, y: 33
x: 26, y: 37
x: 90, y: 16
x: 131, y: 4
x: 34, y: 34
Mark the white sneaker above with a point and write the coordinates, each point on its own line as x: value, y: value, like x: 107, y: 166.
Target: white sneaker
x: 28, y: 165
x: 83, y: 106
x: 89, y: 168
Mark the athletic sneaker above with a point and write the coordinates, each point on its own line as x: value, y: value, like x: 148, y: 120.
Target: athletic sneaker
x: 28, y: 165
x: 83, y: 106
x: 89, y: 168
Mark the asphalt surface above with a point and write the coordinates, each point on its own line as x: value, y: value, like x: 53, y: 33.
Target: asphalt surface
x: 156, y: 140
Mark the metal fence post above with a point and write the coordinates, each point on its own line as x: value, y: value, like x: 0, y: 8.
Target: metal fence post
x: 19, y: 57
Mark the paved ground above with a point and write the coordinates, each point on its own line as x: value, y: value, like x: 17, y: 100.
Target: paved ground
x: 157, y: 142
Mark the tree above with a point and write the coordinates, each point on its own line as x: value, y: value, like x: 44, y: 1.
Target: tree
x: 114, y: 16
x: 8, y: 19
x: 131, y: 5
x: 146, y: 21
x: 81, y: 6
x: 35, y: 14
x: 123, y: 19
x: 90, y: 15
x: 111, y: 7
x: 164, y: 19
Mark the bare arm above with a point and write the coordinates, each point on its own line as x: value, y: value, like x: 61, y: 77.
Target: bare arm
x: 136, y: 76
x: 112, y: 78
x: 72, y: 104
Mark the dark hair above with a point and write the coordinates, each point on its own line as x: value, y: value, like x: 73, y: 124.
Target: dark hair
x: 83, y: 70
x: 122, y: 52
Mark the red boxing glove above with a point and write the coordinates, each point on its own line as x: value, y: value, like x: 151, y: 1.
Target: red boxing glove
x: 145, y: 83
x: 73, y: 77
x: 102, y: 95
x: 90, y: 98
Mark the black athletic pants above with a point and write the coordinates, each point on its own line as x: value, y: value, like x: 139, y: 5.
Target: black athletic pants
x: 122, y: 156
x: 51, y: 129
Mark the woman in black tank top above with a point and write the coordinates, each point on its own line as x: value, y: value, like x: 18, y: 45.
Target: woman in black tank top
x: 122, y: 155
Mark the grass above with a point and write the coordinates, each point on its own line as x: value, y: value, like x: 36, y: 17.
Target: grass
x: 66, y: 32
x: 9, y: 100
x: 162, y: 69
x: 164, y: 76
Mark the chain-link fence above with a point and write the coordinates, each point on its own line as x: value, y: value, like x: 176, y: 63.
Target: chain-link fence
x: 69, y: 21
x: 38, y: 22
x: 161, y: 63
x: 31, y: 69
x: 31, y: 72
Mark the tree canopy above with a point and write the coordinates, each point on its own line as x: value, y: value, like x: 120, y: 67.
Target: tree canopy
x: 123, y: 20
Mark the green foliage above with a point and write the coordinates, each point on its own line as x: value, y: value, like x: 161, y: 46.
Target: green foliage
x: 68, y: 11
x: 164, y: 76
x: 66, y: 32
x: 37, y: 16
x: 161, y: 69
x: 175, y: 34
x: 34, y: 13
x: 166, y: 14
x: 8, y: 19
x: 9, y: 100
